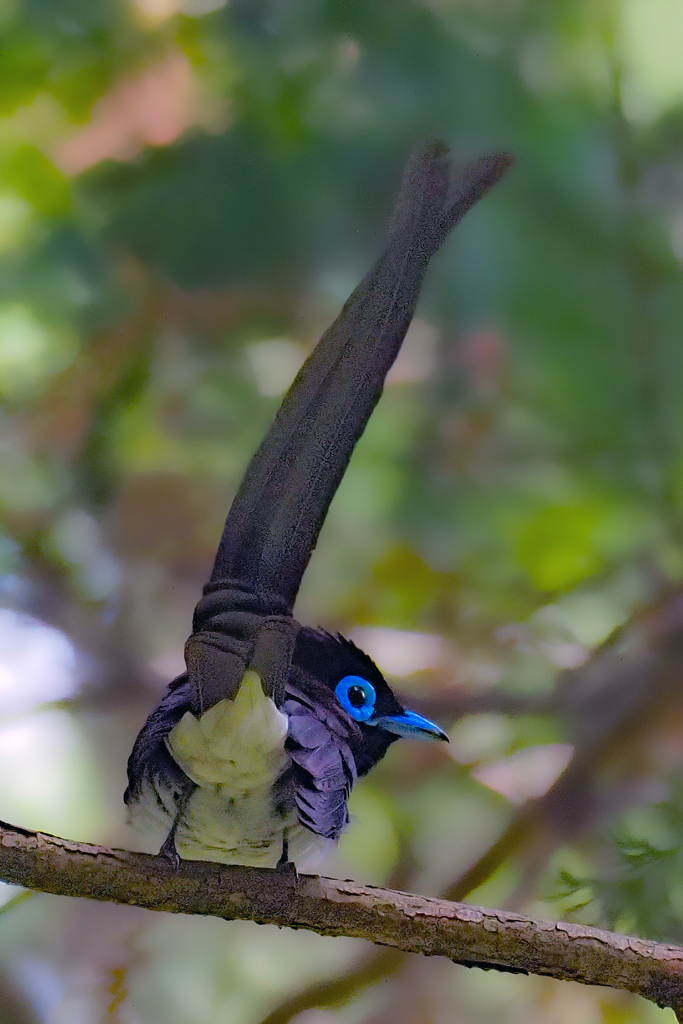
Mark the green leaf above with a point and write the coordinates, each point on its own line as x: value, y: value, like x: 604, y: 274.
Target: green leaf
x: 36, y: 179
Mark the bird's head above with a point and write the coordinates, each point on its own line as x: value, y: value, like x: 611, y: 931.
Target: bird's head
x: 344, y: 682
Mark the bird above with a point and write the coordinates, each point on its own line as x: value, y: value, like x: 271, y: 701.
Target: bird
x: 251, y: 755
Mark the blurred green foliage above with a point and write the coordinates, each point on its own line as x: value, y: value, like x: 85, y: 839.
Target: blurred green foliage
x: 188, y: 191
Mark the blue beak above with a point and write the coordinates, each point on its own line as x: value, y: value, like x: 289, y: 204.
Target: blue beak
x: 410, y: 724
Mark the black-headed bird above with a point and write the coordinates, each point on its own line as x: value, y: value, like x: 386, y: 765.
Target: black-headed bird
x: 252, y: 753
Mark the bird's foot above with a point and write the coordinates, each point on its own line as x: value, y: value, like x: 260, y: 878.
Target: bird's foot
x: 287, y: 869
x: 169, y: 852
x: 285, y: 865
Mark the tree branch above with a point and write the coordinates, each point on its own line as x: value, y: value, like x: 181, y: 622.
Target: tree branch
x: 416, y: 924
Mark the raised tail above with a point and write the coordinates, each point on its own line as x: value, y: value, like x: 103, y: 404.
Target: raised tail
x: 275, y: 519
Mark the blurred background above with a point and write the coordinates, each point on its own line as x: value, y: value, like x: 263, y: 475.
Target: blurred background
x: 189, y: 189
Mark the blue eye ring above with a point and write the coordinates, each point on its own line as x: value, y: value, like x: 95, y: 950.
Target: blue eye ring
x: 359, y: 712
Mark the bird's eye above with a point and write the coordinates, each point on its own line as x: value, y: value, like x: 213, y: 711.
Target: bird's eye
x: 357, y: 696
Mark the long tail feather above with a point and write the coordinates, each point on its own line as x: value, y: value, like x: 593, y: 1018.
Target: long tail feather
x: 276, y: 517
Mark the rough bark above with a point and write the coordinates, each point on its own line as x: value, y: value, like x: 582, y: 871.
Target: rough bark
x: 466, y: 934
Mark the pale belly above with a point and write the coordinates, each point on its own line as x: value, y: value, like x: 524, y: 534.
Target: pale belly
x: 245, y: 830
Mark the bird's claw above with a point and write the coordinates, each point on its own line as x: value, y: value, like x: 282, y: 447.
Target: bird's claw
x: 169, y: 852
x: 287, y: 869
x: 285, y: 866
